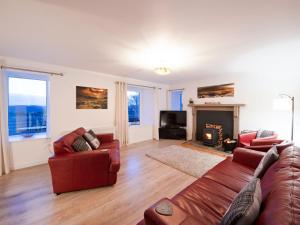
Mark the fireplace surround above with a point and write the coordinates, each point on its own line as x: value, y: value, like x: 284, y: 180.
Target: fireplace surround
x: 231, y: 112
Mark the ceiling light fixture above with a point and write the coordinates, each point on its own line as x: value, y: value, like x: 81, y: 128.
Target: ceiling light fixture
x: 162, y: 71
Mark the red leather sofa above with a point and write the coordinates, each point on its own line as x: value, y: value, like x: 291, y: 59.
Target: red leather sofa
x: 250, y: 138
x: 206, y: 200
x: 72, y: 171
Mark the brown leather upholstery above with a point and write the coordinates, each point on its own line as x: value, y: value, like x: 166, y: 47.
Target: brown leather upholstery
x: 206, y: 200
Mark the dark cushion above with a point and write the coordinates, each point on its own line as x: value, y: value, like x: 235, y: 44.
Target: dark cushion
x: 264, y: 133
x: 80, y: 145
x: 92, y: 139
x: 270, y: 157
x: 245, y: 207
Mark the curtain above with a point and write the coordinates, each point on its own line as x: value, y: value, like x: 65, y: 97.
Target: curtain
x: 121, y: 117
x: 4, y: 154
x: 156, y: 114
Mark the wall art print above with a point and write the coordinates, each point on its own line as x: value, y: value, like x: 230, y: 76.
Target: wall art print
x: 224, y: 90
x: 91, y: 98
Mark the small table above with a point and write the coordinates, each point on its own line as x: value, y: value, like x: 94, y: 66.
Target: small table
x: 229, y: 144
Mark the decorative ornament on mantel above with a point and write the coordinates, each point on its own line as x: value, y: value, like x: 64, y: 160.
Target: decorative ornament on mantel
x: 212, y: 103
x: 162, y: 71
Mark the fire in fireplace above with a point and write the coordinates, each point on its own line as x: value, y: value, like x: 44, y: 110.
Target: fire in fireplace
x: 210, y: 136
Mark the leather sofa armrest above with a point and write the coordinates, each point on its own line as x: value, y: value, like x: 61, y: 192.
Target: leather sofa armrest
x: 246, y: 138
x: 261, y: 148
x: 178, y: 217
x: 261, y: 141
x: 68, y: 168
x: 109, y: 137
x: 270, y: 138
x: 247, y: 157
x: 114, y: 155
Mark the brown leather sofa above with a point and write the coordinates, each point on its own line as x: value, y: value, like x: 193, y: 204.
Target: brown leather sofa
x: 206, y: 200
x: 73, y: 171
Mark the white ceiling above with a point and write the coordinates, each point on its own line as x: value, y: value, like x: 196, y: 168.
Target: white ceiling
x: 203, y: 37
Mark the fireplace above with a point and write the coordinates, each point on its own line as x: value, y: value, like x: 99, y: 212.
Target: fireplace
x: 210, y: 136
x: 220, y: 121
x: 224, y: 115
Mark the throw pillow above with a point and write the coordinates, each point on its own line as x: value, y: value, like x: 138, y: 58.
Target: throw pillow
x: 92, y: 139
x: 270, y: 157
x: 264, y: 133
x: 80, y: 145
x: 245, y: 207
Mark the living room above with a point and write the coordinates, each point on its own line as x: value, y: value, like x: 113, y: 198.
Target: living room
x: 133, y: 80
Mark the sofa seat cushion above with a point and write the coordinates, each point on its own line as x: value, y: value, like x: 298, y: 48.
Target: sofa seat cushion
x: 205, y: 200
x: 109, y: 145
x: 208, y: 198
x: 230, y: 174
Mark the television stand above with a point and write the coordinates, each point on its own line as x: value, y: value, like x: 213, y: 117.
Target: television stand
x: 178, y: 133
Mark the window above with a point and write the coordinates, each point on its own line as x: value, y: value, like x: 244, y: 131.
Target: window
x: 27, y: 104
x: 176, y: 100
x: 133, y: 107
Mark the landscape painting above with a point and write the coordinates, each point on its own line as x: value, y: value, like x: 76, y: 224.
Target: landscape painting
x: 224, y: 90
x: 91, y: 98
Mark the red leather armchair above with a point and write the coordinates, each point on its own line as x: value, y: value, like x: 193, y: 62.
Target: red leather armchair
x: 250, y: 138
x: 265, y: 145
x: 72, y: 171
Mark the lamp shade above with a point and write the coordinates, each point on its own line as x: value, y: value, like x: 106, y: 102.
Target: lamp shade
x: 282, y: 104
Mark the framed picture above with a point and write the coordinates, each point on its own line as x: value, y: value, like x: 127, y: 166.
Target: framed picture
x: 91, y: 98
x: 224, y: 90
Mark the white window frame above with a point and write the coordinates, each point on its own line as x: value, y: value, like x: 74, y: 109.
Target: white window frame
x: 31, y: 76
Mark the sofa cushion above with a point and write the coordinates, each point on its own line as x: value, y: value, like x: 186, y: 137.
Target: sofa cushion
x: 208, y: 198
x: 92, y: 139
x: 270, y: 157
x: 80, y: 145
x: 245, y: 207
x: 264, y: 133
x: 230, y: 174
x: 281, y: 190
x: 109, y: 145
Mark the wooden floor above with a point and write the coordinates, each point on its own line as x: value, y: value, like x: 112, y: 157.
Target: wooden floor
x: 26, y: 195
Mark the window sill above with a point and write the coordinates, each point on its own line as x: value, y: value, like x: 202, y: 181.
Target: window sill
x: 134, y: 124
x: 17, y: 138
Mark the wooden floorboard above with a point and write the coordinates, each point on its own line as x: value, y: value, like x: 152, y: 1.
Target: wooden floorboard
x: 26, y: 195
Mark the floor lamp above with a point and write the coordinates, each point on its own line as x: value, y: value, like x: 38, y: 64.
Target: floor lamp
x: 286, y: 102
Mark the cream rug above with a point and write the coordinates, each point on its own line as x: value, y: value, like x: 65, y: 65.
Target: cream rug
x: 189, y: 161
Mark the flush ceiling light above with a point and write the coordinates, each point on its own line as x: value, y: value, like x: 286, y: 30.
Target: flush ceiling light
x: 162, y: 71
x: 159, y: 55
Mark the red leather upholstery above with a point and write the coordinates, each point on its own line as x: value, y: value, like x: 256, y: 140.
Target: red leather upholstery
x: 249, y: 139
x: 247, y: 157
x: 265, y: 145
x: 206, y: 200
x: 73, y: 171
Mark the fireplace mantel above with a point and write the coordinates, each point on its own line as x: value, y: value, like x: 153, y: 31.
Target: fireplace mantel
x: 235, y: 108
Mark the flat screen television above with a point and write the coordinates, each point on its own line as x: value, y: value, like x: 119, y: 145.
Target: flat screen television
x: 173, y: 119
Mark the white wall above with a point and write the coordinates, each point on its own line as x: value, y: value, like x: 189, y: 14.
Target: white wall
x: 258, y: 93
x: 64, y: 116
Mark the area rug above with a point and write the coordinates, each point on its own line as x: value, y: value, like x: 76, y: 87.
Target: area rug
x: 189, y: 161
